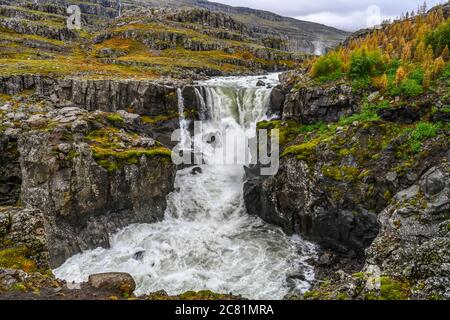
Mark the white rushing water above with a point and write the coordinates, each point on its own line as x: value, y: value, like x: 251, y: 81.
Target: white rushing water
x: 207, y: 240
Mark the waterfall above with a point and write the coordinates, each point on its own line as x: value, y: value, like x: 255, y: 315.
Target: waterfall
x: 202, y: 104
x: 319, y: 47
x: 207, y: 240
x: 184, y: 124
x: 120, y: 8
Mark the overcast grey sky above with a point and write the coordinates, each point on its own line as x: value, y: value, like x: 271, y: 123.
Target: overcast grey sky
x: 347, y: 15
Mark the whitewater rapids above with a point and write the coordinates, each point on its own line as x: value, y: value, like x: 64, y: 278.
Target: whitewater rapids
x: 207, y: 241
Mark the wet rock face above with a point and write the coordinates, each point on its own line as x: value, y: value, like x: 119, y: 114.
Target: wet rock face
x: 277, y: 98
x: 312, y: 104
x: 296, y: 200
x: 82, y: 202
x: 10, y: 173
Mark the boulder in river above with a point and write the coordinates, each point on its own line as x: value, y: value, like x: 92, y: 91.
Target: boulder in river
x: 113, y: 281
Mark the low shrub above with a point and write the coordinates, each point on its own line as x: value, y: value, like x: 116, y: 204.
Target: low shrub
x: 327, y: 67
x: 410, y: 88
x: 364, y: 63
x: 439, y: 38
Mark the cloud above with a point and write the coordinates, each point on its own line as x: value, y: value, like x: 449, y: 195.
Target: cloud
x: 350, y: 21
x: 345, y: 14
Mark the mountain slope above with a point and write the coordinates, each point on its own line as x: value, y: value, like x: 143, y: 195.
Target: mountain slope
x: 302, y: 35
x: 299, y: 35
x: 142, y: 42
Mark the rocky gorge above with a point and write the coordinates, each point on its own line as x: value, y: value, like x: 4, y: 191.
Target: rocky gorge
x: 364, y: 171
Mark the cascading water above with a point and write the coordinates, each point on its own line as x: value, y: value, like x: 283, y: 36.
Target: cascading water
x: 207, y: 240
x: 184, y: 124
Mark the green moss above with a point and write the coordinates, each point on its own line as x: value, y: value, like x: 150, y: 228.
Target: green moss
x: 391, y: 289
x: 202, y: 295
x: 109, y: 165
x: 112, y: 153
x: 311, y: 295
x: 285, y: 130
x: 19, y: 287
x: 360, y: 275
x: 366, y: 115
x: 345, y: 152
x: 17, y: 258
x: 113, y: 160
x: 344, y: 173
x: 115, y: 118
x: 342, y: 296
x: 422, y: 132
x: 158, y: 119
x: 72, y: 155
x: 303, y: 151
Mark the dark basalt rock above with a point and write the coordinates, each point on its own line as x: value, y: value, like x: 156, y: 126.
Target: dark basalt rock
x: 296, y: 200
x: 441, y: 116
x: 277, y: 98
x: 22, y: 27
x: 25, y: 227
x: 10, y: 172
x: 197, y: 170
x: 139, y: 256
x: 140, y: 97
x: 414, y: 240
x: 83, y: 203
x: 312, y: 104
x: 403, y: 114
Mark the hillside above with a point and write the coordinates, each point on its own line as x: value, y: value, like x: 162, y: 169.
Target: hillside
x: 364, y: 169
x: 143, y: 42
x: 299, y: 35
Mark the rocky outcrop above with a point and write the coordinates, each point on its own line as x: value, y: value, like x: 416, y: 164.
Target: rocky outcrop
x: 162, y: 40
x: 297, y: 200
x: 409, y: 257
x: 277, y: 99
x: 311, y: 104
x: 414, y: 240
x: 331, y: 186
x: 299, y: 35
x: 10, y: 174
x: 403, y: 114
x: 82, y: 202
x: 78, y: 175
x: 25, y: 227
x: 141, y: 97
x: 24, y: 27
x: 200, y: 16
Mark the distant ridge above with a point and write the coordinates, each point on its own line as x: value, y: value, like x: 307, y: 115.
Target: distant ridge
x: 303, y: 36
